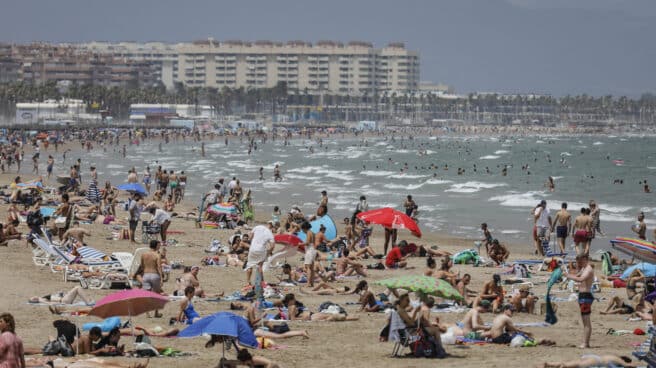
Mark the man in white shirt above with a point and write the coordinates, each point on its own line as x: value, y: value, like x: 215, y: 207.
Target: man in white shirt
x: 542, y: 221
x: 261, y: 241
x: 232, y: 184
x: 162, y: 218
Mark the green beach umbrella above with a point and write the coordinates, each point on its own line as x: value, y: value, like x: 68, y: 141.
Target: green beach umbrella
x: 422, y: 284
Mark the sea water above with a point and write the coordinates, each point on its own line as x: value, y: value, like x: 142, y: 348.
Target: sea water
x: 583, y: 168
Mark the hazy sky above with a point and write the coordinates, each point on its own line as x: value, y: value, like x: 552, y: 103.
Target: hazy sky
x: 545, y: 46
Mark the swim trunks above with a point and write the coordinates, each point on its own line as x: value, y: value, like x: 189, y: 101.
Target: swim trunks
x: 504, y: 338
x: 580, y: 236
x: 561, y: 232
x: 585, y: 303
x: 541, y: 232
x: 152, y: 282
x: 310, y: 255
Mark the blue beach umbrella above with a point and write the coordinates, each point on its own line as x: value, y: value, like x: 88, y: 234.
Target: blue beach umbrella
x: 133, y: 187
x: 224, y: 324
x: 648, y: 269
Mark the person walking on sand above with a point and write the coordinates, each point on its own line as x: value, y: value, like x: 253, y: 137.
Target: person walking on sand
x: 543, y: 223
x: 563, y: 224
x: 595, y: 213
x: 584, y: 277
x: 582, y: 226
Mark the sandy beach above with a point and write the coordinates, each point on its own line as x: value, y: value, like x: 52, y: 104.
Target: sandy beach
x: 349, y: 344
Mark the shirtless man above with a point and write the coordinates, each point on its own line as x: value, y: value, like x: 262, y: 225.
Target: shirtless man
x: 584, y: 277
x: 503, y: 330
x: 77, y: 233
x: 492, y: 292
x: 563, y: 224
x: 462, y: 288
x: 324, y: 199
x: 152, y: 270
x: 320, y: 237
x: 640, y: 227
x: 472, y: 321
x: 582, y: 226
x: 345, y: 266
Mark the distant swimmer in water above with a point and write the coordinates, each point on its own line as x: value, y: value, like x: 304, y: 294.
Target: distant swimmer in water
x: 550, y: 184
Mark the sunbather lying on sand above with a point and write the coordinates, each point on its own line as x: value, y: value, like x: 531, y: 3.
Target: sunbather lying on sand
x: 62, y: 298
x: 591, y: 360
x: 294, y: 313
x: 82, y: 363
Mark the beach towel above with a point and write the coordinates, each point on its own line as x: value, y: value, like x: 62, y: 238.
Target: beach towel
x: 396, y: 324
x: 556, y: 275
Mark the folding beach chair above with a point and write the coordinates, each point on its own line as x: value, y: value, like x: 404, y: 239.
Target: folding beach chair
x: 401, y: 335
x: 550, y: 251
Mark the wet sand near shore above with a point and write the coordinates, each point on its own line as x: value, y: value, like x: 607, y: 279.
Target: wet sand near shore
x: 347, y: 344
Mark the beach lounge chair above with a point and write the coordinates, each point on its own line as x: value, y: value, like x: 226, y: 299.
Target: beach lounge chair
x: 42, y: 253
x: 129, y: 263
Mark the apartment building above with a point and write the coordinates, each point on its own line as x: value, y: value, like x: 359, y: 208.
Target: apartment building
x: 41, y: 63
x: 355, y: 68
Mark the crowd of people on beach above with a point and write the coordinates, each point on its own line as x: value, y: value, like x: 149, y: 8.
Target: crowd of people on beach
x: 327, y: 268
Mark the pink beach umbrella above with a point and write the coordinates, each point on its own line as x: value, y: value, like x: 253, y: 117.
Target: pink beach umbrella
x: 132, y: 302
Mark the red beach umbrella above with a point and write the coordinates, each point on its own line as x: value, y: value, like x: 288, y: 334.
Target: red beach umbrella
x: 288, y: 239
x: 391, y: 219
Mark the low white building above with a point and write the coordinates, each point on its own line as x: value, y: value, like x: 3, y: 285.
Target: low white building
x: 53, y: 110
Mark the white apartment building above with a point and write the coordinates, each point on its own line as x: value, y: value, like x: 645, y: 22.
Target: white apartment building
x: 327, y: 67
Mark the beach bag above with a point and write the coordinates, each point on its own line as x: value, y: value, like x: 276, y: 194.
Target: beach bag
x: 427, y: 348
x: 34, y: 218
x: 58, y: 347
